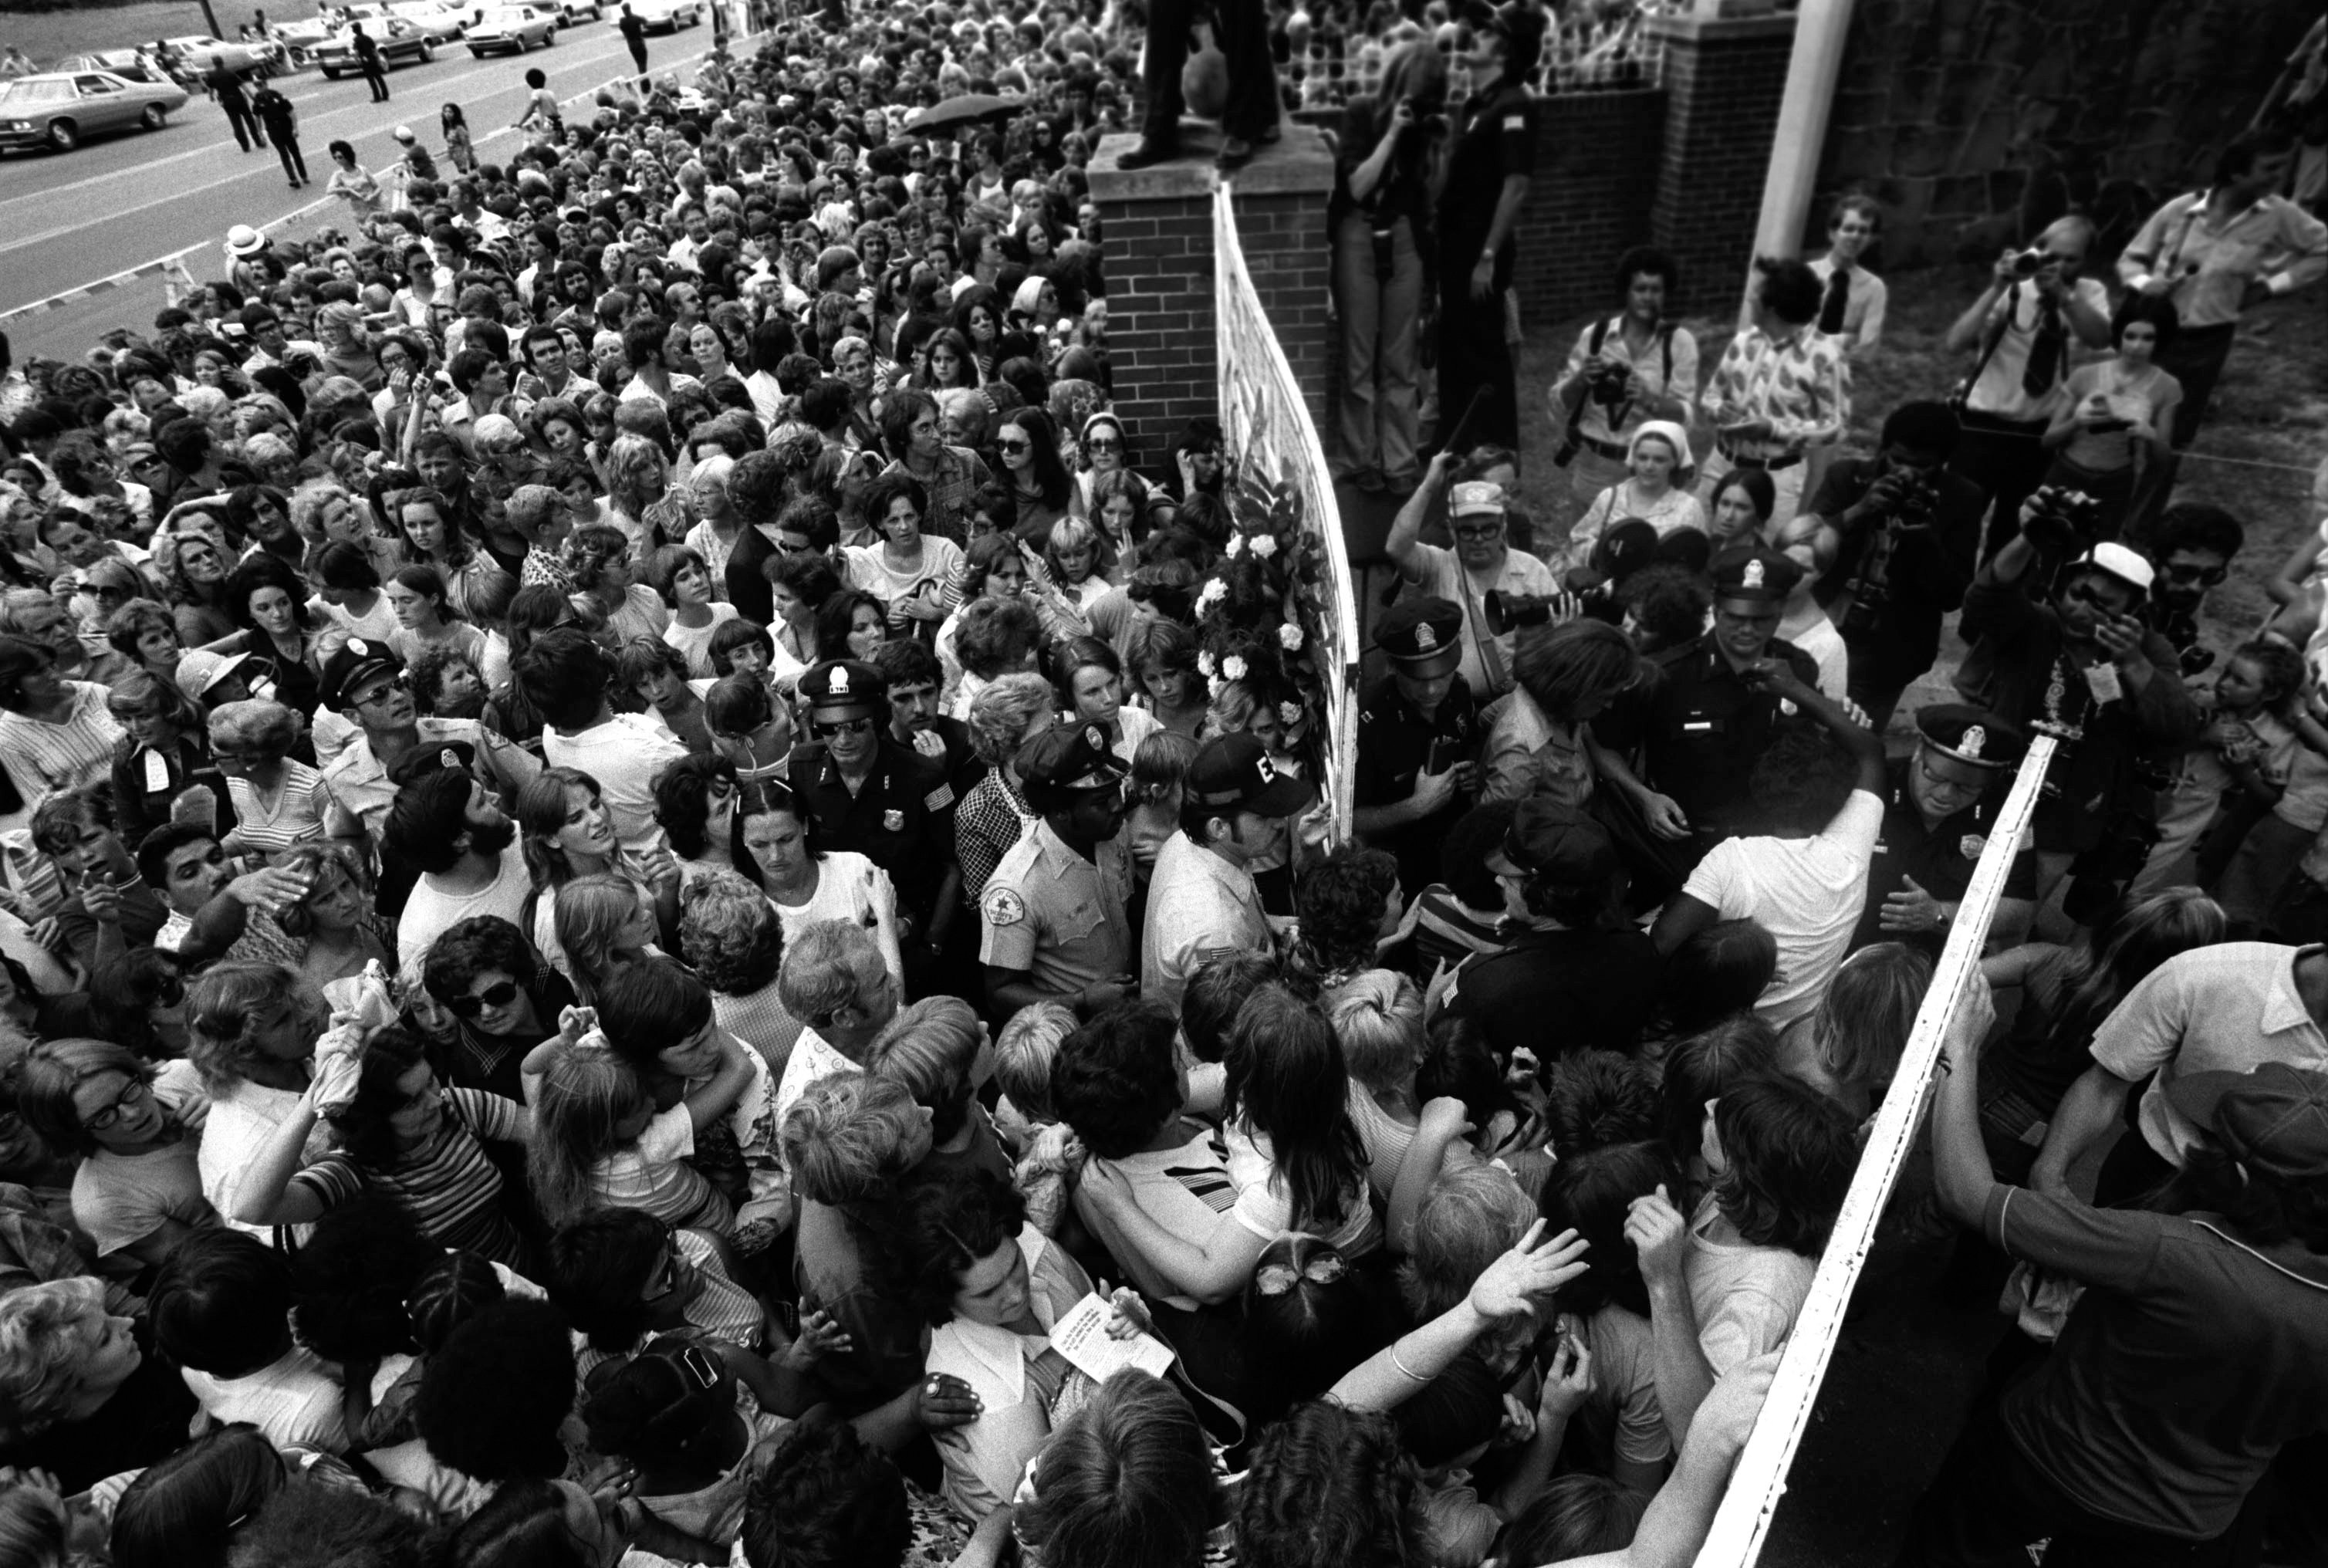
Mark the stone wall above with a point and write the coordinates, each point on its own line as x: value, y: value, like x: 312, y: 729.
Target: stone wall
x: 1976, y: 122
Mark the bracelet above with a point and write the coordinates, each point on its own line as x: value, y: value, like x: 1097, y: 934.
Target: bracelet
x: 1404, y: 1370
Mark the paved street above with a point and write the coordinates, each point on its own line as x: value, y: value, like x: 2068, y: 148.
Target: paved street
x: 125, y: 199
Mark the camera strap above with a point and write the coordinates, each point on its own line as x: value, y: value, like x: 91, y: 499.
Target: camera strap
x: 1491, y: 657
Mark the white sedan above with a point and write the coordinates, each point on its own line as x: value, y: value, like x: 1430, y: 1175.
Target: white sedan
x: 516, y: 28
x: 670, y: 15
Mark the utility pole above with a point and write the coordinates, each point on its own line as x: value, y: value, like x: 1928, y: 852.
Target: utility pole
x: 211, y: 20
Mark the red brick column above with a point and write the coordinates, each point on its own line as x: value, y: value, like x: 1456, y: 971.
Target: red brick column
x: 1157, y: 232
x: 1724, y: 75
x: 1588, y: 203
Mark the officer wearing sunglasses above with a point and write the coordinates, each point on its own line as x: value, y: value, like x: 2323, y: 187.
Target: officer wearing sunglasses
x: 865, y: 791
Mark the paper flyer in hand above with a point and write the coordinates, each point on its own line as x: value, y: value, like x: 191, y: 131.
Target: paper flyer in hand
x: 1082, y: 1338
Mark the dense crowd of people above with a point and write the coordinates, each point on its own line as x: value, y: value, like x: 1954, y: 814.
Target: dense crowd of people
x: 657, y: 908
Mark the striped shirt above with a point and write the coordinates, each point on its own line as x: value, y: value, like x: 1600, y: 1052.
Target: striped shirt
x: 451, y: 1186
x: 47, y: 758
x: 297, y: 815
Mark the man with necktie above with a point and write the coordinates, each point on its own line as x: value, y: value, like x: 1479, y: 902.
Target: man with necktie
x: 1851, y: 306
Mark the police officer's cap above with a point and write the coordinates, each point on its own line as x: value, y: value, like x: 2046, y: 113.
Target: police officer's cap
x: 1556, y: 841
x: 1972, y: 735
x: 844, y: 688
x: 428, y: 757
x: 357, y: 661
x: 1067, y: 757
x: 1755, y: 577
x: 1423, y: 635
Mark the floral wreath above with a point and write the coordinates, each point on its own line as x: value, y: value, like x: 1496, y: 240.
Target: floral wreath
x: 1259, y: 612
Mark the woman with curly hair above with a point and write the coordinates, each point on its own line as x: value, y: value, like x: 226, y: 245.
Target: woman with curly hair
x: 137, y: 1192
x: 638, y: 477
x: 470, y: 577
x: 978, y: 318
x: 599, y: 560
x: 328, y: 933
x: 695, y: 806
x: 1543, y: 744
x: 194, y: 567
x: 146, y: 634
x: 278, y: 800
x: 996, y: 567
x: 851, y: 624
x: 797, y: 586
x: 1349, y: 902
x: 81, y: 1400
x: 729, y: 931
x: 251, y: 1030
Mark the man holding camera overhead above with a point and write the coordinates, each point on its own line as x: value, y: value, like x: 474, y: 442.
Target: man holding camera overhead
x: 2023, y: 324
x: 1897, y: 534
x: 1482, y: 562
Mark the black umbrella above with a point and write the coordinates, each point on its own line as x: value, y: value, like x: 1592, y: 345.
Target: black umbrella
x: 969, y: 108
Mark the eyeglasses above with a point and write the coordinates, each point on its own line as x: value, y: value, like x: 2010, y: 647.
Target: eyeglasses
x: 2185, y: 572
x: 1010, y: 446
x: 499, y: 994
x: 844, y: 727
x: 1098, y: 444
x: 1323, y: 1268
x: 132, y: 1096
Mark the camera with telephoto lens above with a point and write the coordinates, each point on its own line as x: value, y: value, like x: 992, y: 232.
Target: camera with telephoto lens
x: 1506, y: 612
x: 2061, y: 518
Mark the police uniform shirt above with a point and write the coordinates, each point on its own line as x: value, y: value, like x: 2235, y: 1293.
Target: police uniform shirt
x: 1199, y: 908
x: 902, y: 820
x: 361, y: 785
x: 1395, y: 745
x: 1706, y: 729
x: 1049, y: 913
x: 1939, y: 859
x: 1497, y: 140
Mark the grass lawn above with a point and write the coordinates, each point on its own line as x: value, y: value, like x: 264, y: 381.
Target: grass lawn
x: 48, y: 36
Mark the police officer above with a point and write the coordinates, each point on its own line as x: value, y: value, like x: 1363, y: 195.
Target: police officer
x: 865, y: 793
x: 281, y: 119
x: 1707, y: 724
x: 226, y: 86
x: 1937, y: 811
x: 1055, y: 911
x: 1488, y: 175
x: 1419, y: 735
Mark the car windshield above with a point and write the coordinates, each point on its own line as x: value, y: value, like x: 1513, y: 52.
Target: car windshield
x: 35, y: 91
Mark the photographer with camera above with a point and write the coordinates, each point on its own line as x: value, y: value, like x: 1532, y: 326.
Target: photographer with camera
x: 2081, y: 661
x: 2022, y: 323
x: 1895, y: 551
x: 1712, y: 717
x: 1482, y: 562
x: 1625, y: 371
x: 1381, y: 221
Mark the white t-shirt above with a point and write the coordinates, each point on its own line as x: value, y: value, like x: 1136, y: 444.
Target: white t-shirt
x: 240, y: 1125
x: 120, y: 1199
x: 623, y: 755
x: 295, y: 1401
x: 1744, y: 1297
x: 1264, y: 1204
x: 1805, y: 892
x: 430, y: 912
x: 694, y: 642
x: 1814, y: 634
x: 852, y: 887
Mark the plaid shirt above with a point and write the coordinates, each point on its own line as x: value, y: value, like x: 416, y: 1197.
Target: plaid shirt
x: 992, y: 818
x: 950, y: 485
x: 1800, y: 384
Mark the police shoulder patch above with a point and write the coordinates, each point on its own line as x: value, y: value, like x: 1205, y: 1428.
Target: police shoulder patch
x: 1002, y: 907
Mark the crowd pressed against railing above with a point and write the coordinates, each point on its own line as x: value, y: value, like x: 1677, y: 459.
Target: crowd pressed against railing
x: 660, y: 905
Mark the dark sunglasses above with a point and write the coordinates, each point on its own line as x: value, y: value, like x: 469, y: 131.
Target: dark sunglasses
x: 845, y: 726
x: 501, y: 993
x: 1010, y: 446
x: 2186, y: 573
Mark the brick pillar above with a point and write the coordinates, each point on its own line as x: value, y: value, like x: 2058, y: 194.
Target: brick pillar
x: 1724, y: 75
x: 1588, y: 204
x: 1157, y: 226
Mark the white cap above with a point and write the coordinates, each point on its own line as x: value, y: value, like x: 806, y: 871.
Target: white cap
x: 2120, y: 562
x: 404, y: 134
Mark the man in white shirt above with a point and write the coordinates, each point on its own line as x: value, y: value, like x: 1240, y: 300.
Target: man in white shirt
x: 1852, y: 299
x: 1804, y: 878
x: 836, y: 982
x: 1201, y: 901
x: 450, y: 827
x: 565, y: 675
x: 1482, y: 562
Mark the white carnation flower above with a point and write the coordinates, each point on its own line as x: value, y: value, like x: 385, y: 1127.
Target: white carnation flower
x: 1212, y: 594
x: 1237, y: 545
x: 1234, y: 666
x: 1289, y: 638
x: 1203, y: 662
x: 1264, y: 545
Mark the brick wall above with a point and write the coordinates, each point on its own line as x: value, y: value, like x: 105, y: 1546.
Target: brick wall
x: 1725, y: 77
x: 1157, y: 225
x: 1589, y: 203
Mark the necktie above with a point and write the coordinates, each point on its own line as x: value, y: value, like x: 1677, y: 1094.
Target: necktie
x: 1837, y: 300
x: 2044, y: 349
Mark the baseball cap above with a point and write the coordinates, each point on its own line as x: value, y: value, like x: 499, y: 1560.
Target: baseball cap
x: 2119, y: 561
x: 198, y: 671
x: 1556, y: 841
x: 1475, y: 498
x: 2274, y: 1120
x: 1234, y: 772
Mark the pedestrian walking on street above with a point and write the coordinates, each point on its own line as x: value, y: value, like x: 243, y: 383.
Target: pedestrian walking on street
x: 280, y: 119
x: 375, y: 70
x: 226, y: 86
x: 634, y: 35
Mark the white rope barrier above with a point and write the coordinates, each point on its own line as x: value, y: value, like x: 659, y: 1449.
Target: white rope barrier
x: 1759, y: 1480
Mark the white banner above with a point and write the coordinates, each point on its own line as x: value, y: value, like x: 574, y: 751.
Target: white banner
x: 1279, y: 467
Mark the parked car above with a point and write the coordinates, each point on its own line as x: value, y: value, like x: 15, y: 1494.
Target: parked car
x: 129, y: 64
x: 400, y: 43
x: 442, y: 24
x: 516, y: 28
x: 575, y: 12
x: 669, y: 15
x: 203, y: 55
x: 301, y: 39
x: 57, y: 109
